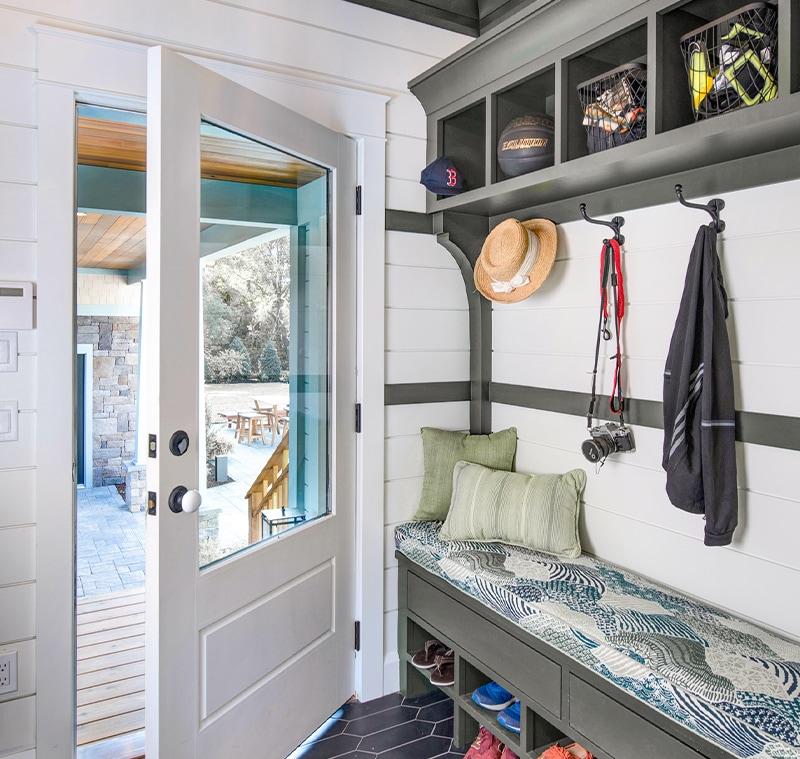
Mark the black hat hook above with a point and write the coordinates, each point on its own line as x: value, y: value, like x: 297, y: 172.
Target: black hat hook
x: 713, y: 207
x: 614, y: 224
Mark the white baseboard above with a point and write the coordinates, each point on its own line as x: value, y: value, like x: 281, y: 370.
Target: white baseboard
x: 391, y: 672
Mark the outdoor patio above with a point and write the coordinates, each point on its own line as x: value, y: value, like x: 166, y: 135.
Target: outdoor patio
x: 110, y: 546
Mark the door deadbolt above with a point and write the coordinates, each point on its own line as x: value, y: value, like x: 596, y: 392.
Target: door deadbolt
x: 179, y: 443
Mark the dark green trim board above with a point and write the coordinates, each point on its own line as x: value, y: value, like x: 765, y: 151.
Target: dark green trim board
x: 771, y: 430
x: 425, y: 392
x: 463, y: 236
x: 408, y: 221
x: 761, y: 429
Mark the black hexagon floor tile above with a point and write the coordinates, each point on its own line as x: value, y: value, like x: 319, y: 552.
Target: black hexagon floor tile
x: 395, y: 736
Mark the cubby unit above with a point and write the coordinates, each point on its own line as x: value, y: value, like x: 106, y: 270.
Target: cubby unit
x: 674, y: 96
x: 628, y: 46
x: 532, y: 96
x: 462, y: 138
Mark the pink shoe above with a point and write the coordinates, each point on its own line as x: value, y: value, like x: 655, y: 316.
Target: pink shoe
x: 485, y: 746
x: 571, y: 751
x: 508, y: 753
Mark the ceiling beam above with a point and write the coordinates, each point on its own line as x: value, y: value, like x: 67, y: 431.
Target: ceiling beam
x: 454, y: 15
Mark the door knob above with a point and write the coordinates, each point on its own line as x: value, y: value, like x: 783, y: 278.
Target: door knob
x: 183, y: 500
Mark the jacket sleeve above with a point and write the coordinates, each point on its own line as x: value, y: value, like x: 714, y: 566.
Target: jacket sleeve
x: 718, y: 423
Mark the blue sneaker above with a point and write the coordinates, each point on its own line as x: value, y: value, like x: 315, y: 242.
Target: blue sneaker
x: 509, y: 718
x: 493, y: 697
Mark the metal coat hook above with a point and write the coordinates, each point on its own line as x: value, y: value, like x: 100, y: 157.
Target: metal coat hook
x: 614, y: 224
x: 713, y: 207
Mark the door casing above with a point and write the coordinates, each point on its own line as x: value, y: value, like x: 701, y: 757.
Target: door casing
x: 56, y: 101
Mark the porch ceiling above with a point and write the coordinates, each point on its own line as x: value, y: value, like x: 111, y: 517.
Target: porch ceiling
x: 123, y: 145
x: 106, y: 241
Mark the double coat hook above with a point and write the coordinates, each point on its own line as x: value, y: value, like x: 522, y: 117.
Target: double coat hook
x: 614, y: 224
x: 713, y: 207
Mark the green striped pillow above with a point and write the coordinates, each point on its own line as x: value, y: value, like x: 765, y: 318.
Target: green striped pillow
x: 538, y: 511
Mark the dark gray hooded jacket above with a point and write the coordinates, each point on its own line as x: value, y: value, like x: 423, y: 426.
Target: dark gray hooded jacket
x: 699, y: 416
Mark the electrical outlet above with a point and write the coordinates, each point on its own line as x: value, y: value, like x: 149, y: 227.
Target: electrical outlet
x: 8, y: 672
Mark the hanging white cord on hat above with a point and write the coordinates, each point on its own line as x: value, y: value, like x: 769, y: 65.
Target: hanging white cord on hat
x: 521, y: 278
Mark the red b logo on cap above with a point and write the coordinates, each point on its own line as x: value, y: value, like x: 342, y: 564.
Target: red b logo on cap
x: 452, y: 177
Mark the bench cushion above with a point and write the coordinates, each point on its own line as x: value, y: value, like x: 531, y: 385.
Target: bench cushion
x: 733, y: 683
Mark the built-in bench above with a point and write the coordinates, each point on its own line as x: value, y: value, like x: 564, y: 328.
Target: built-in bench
x: 628, y: 668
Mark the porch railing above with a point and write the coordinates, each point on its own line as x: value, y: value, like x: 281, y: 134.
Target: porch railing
x: 271, y: 488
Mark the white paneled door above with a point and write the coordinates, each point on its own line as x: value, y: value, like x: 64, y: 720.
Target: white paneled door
x: 250, y: 600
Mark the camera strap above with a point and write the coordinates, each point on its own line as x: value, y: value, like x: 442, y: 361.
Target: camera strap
x: 610, y: 271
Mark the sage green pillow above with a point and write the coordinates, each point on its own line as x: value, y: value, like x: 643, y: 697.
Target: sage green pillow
x: 538, y: 511
x: 443, y: 448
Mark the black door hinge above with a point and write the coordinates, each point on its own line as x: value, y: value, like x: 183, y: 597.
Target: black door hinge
x: 357, y: 640
x: 151, y: 503
x: 358, y: 417
x: 152, y: 446
x: 358, y: 200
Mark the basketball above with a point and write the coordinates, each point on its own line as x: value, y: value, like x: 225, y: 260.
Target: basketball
x: 526, y: 144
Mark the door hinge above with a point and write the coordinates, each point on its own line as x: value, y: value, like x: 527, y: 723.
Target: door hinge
x: 358, y: 200
x: 357, y: 637
x: 152, y: 446
x: 151, y: 503
x: 358, y: 417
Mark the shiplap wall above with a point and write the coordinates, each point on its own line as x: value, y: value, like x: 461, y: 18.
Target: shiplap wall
x: 326, y: 40
x: 427, y: 340
x: 548, y: 341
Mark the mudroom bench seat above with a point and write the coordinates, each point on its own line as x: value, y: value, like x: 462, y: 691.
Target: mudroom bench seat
x: 628, y: 668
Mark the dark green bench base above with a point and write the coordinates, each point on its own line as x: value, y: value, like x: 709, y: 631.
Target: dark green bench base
x: 559, y: 696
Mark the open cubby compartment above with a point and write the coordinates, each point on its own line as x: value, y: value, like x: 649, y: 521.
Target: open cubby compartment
x: 628, y: 46
x: 536, y: 734
x: 462, y: 138
x: 417, y: 681
x: 534, y: 95
x: 674, y: 96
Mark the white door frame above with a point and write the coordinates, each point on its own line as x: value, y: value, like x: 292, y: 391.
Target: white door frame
x: 87, y: 350
x: 56, y: 100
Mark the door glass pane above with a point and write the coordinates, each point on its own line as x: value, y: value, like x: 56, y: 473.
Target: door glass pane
x: 264, y: 259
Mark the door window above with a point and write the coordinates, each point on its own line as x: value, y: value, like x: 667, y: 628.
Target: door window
x: 264, y: 259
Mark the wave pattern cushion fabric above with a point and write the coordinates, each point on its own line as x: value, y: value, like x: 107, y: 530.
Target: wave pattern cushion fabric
x: 528, y: 510
x: 733, y: 683
x: 443, y: 449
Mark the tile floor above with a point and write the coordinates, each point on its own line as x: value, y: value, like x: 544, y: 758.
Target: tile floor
x: 110, y: 545
x: 391, y: 727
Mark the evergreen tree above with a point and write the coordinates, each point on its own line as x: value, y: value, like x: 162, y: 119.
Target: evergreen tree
x: 270, y: 363
x: 246, y: 366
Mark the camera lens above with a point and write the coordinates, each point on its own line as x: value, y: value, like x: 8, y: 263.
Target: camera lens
x: 596, y: 449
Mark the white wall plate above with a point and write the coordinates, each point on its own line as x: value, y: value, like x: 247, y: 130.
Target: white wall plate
x: 9, y: 421
x: 16, y: 305
x: 8, y: 351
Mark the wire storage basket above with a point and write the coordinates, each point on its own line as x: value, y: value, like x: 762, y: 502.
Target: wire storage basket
x: 732, y: 62
x: 615, y: 107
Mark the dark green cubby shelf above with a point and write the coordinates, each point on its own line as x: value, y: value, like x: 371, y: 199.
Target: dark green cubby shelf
x: 533, y: 62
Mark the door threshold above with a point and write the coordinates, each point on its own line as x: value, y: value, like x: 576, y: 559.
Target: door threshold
x: 128, y: 746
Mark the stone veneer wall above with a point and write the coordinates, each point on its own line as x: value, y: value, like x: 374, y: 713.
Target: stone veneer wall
x: 115, y: 340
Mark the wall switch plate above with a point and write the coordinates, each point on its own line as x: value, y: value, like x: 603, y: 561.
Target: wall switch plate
x: 9, y: 421
x: 8, y: 351
x: 8, y: 672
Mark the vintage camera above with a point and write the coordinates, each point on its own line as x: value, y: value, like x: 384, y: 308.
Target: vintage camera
x: 607, y: 439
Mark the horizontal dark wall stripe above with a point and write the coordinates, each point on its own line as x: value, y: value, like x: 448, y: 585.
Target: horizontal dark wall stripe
x: 408, y: 221
x: 762, y: 429
x: 425, y: 392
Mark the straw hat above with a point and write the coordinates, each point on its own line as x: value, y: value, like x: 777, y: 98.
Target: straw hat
x: 515, y: 259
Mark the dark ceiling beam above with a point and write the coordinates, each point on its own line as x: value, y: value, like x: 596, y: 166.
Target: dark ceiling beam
x: 454, y: 15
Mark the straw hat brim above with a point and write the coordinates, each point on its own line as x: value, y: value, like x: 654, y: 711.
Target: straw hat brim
x: 545, y: 230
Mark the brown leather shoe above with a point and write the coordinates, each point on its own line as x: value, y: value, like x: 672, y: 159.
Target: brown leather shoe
x: 444, y: 671
x: 426, y: 657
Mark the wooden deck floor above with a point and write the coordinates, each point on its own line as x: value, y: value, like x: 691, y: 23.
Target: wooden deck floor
x: 110, y: 667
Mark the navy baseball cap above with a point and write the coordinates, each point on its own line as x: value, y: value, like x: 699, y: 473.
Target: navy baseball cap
x: 442, y: 177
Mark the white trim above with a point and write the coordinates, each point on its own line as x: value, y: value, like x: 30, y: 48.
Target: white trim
x: 87, y: 350
x: 56, y: 310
